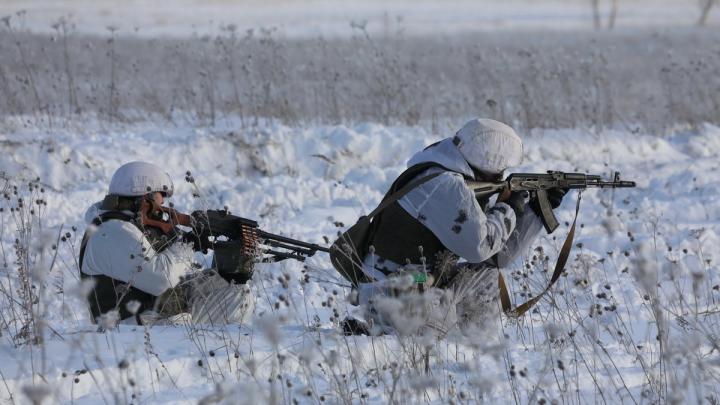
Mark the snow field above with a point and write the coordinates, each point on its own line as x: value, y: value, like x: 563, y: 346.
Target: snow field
x: 634, y: 320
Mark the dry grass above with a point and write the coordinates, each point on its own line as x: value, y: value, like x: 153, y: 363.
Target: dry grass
x: 636, y: 80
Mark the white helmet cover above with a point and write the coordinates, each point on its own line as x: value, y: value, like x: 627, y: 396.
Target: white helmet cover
x: 135, y: 179
x: 489, y: 145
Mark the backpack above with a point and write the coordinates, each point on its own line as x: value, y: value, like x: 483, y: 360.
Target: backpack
x: 349, y: 249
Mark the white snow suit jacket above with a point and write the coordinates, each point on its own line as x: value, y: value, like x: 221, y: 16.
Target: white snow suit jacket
x: 119, y: 250
x: 448, y: 208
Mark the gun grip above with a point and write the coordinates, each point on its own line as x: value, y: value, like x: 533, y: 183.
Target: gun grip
x: 548, y: 217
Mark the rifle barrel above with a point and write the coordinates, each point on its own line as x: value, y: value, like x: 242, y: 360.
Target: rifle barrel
x: 613, y: 184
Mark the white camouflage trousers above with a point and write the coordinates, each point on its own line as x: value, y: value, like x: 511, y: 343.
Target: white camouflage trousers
x: 215, y: 301
x: 477, y: 295
x: 468, y: 301
x: 206, y: 299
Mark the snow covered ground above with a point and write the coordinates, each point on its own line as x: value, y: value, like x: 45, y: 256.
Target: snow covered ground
x: 331, y: 18
x: 635, y: 320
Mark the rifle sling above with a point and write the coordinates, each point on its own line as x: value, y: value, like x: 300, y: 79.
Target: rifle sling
x: 521, y: 309
x: 402, y: 192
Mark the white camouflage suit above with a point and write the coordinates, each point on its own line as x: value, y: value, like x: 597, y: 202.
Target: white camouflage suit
x: 118, y: 249
x: 471, y: 298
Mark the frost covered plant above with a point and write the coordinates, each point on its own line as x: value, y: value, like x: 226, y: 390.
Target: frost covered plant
x: 36, y: 393
x: 113, y: 104
x: 64, y: 27
x: 258, y: 75
x: 25, y: 273
x: 30, y: 81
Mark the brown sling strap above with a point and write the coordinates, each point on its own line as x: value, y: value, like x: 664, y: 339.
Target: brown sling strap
x: 402, y: 193
x: 521, y: 309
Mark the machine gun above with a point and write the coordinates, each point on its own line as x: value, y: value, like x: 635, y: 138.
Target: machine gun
x: 239, y: 243
x: 245, y: 232
x: 537, y: 185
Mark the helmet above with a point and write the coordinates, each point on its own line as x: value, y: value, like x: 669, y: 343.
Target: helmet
x: 135, y: 179
x: 489, y: 145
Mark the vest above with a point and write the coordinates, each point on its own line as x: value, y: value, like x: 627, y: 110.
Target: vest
x: 397, y: 236
x: 111, y: 294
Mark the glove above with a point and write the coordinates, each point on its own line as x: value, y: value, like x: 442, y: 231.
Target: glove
x: 200, y: 223
x: 516, y: 201
x: 555, y: 197
x: 200, y: 242
x: 200, y: 232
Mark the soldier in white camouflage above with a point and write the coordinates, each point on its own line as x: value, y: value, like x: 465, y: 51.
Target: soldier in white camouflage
x: 441, y: 230
x: 143, y: 274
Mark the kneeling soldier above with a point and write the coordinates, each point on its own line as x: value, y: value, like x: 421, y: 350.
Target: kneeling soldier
x: 417, y: 240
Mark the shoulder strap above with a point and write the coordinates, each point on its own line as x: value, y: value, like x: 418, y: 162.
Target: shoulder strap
x: 389, y: 199
x: 106, y: 216
x: 559, y: 267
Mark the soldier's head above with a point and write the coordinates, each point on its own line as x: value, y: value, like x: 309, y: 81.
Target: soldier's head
x: 138, y: 179
x: 490, y: 147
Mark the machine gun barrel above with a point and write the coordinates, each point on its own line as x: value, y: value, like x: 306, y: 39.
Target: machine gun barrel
x: 278, y: 255
x: 289, y: 243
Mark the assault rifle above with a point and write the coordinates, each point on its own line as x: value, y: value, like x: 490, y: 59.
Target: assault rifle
x: 537, y: 185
